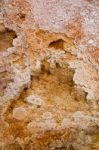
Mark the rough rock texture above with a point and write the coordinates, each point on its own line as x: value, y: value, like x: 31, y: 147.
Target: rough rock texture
x: 49, y: 74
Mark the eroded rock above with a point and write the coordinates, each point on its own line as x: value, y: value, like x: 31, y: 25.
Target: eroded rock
x: 49, y: 75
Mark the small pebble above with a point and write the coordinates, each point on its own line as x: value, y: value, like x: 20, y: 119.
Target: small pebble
x: 19, y: 113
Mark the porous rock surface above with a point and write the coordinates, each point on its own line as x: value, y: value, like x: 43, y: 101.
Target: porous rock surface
x: 49, y: 74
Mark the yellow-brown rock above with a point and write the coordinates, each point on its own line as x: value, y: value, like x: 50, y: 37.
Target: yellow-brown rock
x: 49, y: 75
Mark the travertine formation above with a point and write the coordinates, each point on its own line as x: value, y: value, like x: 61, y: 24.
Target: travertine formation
x: 49, y: 74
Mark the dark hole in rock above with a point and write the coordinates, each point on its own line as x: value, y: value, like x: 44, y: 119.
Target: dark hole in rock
x: 58, y: 44
x: 22, y: 16
x: 45, y: 67
x: 6, y: 38
x: 57, y: 65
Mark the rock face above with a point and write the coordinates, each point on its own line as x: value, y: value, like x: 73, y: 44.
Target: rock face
x: 49, y: 74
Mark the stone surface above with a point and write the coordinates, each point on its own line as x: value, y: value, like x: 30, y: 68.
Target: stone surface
x: 19, y: 113
x: 49, y: 74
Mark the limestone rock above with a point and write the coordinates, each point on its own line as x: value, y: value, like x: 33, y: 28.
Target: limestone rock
x: 49, y: 74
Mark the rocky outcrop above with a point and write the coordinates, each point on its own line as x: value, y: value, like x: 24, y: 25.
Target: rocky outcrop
x: 49, y: 74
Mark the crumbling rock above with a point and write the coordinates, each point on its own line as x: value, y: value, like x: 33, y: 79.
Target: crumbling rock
x: 49, y: 75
